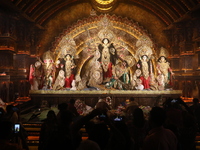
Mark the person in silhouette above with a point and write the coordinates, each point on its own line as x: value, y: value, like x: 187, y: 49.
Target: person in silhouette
x: 159, y: 137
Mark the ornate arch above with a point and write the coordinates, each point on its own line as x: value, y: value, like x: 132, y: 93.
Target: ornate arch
x: 129, y: 35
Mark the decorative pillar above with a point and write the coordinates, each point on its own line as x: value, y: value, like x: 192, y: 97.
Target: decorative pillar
x: 6, y: 60
x: 186, y: 62
x: 22, y: 65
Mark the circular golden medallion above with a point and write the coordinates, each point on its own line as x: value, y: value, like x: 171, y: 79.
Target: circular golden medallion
x: 104, y: 2
x: 104, y: 5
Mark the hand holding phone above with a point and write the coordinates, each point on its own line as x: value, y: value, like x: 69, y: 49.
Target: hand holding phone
x: 17, y: 128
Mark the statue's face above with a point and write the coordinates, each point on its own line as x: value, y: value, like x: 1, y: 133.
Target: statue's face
x: 61, y: 73
x: 37, y: 64
x: 62, y: 83
x: 105, y: 41
x: 144, y: 57
x: 139, y: 81
x: 162, y: 59
x: 68, y: 57
x: 124, y: 63
x: 138, y: 72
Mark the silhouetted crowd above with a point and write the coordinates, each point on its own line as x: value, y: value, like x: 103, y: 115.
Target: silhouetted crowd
x: 172, y: 126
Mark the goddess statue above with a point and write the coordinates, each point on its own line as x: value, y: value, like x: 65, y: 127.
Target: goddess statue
x: 108, y: 58
x: 48, y: 69
x: 66, y: 46
x: 121, y: 78
x: 163, y: 67
x: 69, y: 70
x: 144, y: 56
x: 36, y: 75
x: 144, y: 64
x: 106, y: 48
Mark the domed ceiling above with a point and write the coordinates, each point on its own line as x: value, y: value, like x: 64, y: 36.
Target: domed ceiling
x: 56, y: 16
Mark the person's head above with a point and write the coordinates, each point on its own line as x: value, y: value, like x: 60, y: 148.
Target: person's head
x: 88, y: 145
x: 51, y: 115
x: 9, y: 108
x: 157, y: 116
x: 66, y: 117
x: 108, y: 98
x: 102, y: 106
x: 97, y: 132
x: 78, y: 103
x: 62, y: 106
x: 138, y: 117
x: 138, y: 112
x: 195, y: 100
x: 131, y: 99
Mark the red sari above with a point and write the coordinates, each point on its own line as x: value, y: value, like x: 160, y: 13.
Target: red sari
x: 145, y: 82
x: 108, y: 73
x: 68, y: 81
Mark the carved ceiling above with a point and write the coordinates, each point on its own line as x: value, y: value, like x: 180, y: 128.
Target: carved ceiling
x: 168, y: 11
x: 54, y: 16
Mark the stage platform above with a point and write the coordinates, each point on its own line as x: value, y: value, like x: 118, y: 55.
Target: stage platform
x: 90, y: 97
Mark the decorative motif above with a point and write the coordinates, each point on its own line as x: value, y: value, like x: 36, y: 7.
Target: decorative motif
x: 104, y: 5
x: 143, y: 50
x: 66, y: 46
x: 130, y: 60
x: 48, y: 55
x: 163, y: 52
x: 105, y: 26
x: 93, y: 23
x: 144, y: 40
x: 93, y: 12
x: 104, y: 2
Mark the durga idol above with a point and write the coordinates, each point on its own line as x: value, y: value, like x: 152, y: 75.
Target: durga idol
x: 69, y: 70
x: 108, y: 58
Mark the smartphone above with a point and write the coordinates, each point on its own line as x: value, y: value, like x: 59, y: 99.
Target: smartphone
x: 174, y: 101
x: 17, y: 128
x: 102, y: 116
x: 118, y: 118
